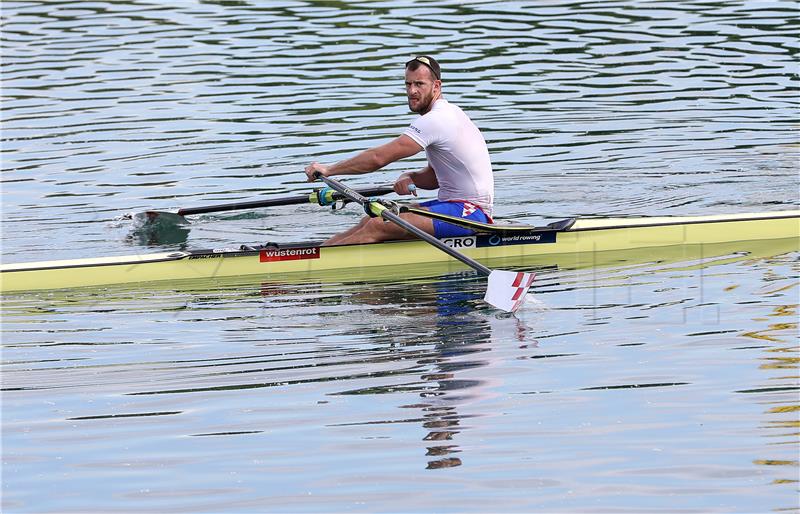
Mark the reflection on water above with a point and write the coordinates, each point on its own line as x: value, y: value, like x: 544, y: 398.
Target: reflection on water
x: 394, y: 377
x: 460, y: 340
x: 633, y: 379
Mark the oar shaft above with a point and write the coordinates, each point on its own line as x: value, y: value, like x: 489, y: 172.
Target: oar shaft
x: 397, y: 220
x: 271, y: 202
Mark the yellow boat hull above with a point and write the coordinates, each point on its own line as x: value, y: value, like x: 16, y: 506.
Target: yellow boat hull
x: 586, y: 242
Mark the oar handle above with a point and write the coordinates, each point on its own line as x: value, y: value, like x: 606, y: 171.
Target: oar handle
x: 387, y: 214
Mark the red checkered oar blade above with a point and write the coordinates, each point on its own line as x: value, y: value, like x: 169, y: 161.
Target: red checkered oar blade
x: 507, y: 289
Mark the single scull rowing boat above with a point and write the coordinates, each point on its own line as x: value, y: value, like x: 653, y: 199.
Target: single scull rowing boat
x: 520, y: 243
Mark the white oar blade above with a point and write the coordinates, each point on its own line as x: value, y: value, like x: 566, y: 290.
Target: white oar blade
x: 507, y: 289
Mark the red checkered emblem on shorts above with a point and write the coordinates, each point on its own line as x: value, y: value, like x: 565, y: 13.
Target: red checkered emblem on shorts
x: 468, y: 209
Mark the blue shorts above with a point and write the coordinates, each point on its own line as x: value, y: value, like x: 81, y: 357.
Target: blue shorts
x: 443, y: 229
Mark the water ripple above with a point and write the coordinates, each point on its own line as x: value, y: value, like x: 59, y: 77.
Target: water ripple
x: 644, y: 372
x: 229, y: 101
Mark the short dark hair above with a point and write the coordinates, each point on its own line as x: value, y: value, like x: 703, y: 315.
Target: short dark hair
x: 429, y: 62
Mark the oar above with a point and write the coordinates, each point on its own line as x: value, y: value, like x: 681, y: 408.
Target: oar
x: 324, y: 196
x: 505, y: 290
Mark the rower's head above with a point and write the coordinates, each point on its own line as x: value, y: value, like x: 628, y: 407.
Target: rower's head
x: 423, y: 83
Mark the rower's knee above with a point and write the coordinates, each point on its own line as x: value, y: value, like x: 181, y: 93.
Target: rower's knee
x: 374, y: 226
x: 375, y: 230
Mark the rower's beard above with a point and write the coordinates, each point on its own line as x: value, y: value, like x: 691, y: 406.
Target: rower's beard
x: 423, y: 107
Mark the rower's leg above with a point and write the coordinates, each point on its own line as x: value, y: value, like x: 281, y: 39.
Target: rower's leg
x: 375, y: 230
x: 334, y: 240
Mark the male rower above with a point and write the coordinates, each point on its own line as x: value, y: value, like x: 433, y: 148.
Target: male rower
x: 458, y: 163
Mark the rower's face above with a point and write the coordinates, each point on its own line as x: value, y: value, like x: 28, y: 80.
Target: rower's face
x: 421, y: 89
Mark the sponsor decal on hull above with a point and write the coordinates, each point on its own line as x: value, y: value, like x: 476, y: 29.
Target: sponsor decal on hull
x: 460, y: 242
x: 516, y: 239
x: 485, y: 241
x: 289, y: 254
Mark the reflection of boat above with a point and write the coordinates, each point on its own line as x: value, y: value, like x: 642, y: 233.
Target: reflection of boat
x: 570, y: 243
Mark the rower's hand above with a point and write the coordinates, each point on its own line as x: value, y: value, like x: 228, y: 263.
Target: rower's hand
x: 405, y: 186
x: 314, y: 168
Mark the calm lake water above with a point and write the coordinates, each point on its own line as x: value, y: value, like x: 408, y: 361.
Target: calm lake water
x: 660, y: 382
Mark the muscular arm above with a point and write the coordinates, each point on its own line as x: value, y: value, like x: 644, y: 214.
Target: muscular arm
x: 369, y: 160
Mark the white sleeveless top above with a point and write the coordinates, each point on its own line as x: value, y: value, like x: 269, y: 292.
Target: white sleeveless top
x: 457, y: 153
